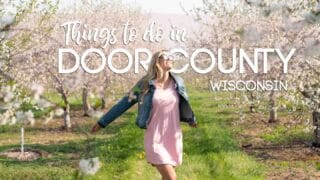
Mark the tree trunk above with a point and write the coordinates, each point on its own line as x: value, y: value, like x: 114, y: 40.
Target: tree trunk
x: 66, y: 115
x: 85, y: 101
x: 252, y: 110
x: 22, y: 140
x: 113, y: 95
x: 316, y: 123
x: 272, y: 108
x: 103, y: 102
x: 315, y: 118
x: 209, y: 87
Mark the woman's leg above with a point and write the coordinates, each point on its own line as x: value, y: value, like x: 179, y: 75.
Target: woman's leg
x: 167, y: 171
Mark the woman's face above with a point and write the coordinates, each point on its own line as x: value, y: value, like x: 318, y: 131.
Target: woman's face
x: 166, y: 62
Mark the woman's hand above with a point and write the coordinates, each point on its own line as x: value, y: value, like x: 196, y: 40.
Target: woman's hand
x: 95, y: 128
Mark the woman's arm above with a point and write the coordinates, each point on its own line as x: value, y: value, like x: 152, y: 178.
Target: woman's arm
x: 123, y: 105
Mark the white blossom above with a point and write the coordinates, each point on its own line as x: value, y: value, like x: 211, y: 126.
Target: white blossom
x: 37, y: 90
x: 101, y: 92
x: 251, y: 34
x: 294, y: 24
x: 59, y: 112
x: 29, y: 117
x: 25, y: 117
x: 3, y: 120
x: 20, y: 115
x: 8, y: 16
x: 245, y: 98
x: 301, y: 86
x: 89, y: 166
x: 312, y: 47
x: 42, y: 103
x: 16, y: 104
x: 95, y: 114
x: 8, y: 97
x: 291, y: 98
x: 49, y: 117
x: 13, y: 120
x: 318, y: 92
x: 307, y: 129
x: 91, y: 95
x: 276, y: 6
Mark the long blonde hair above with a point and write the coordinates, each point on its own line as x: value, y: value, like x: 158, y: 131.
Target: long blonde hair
x: 154, y: 70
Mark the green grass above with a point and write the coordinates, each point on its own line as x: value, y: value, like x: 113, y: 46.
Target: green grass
x: 210, y: 151
x: 283, y: 135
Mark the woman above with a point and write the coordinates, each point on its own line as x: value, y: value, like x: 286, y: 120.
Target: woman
x: 162, y: 104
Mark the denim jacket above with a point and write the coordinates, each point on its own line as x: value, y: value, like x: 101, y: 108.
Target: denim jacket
x: 145, y: 104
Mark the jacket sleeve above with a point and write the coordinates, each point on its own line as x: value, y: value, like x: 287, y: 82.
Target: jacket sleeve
x: 123, y: 105
x: 183, y: 89
x: 191, y: 120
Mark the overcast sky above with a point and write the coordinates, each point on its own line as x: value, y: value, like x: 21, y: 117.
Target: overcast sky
x: 151, y: 6
x: 165, y: 6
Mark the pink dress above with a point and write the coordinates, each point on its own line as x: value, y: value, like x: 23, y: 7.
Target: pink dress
x: 163, y: 136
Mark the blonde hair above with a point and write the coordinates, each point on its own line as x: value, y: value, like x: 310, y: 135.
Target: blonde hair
x: 154, y: 70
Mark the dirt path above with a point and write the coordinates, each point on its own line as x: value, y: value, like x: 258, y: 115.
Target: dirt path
x: 297, y: 160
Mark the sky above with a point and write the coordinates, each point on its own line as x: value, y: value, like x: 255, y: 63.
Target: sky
x: 165, y: 6
x: 149, y: 6
x: 152, y: 6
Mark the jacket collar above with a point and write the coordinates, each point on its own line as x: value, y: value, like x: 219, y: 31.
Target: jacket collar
x: 174, y: 77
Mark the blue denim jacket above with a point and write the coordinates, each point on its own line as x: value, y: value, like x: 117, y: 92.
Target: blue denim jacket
x: 145, y: 104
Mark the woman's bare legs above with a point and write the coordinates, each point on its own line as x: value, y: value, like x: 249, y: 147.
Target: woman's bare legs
x: 167, y: 171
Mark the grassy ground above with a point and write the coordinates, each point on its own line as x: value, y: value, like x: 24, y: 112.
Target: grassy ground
x: 211, y: 151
